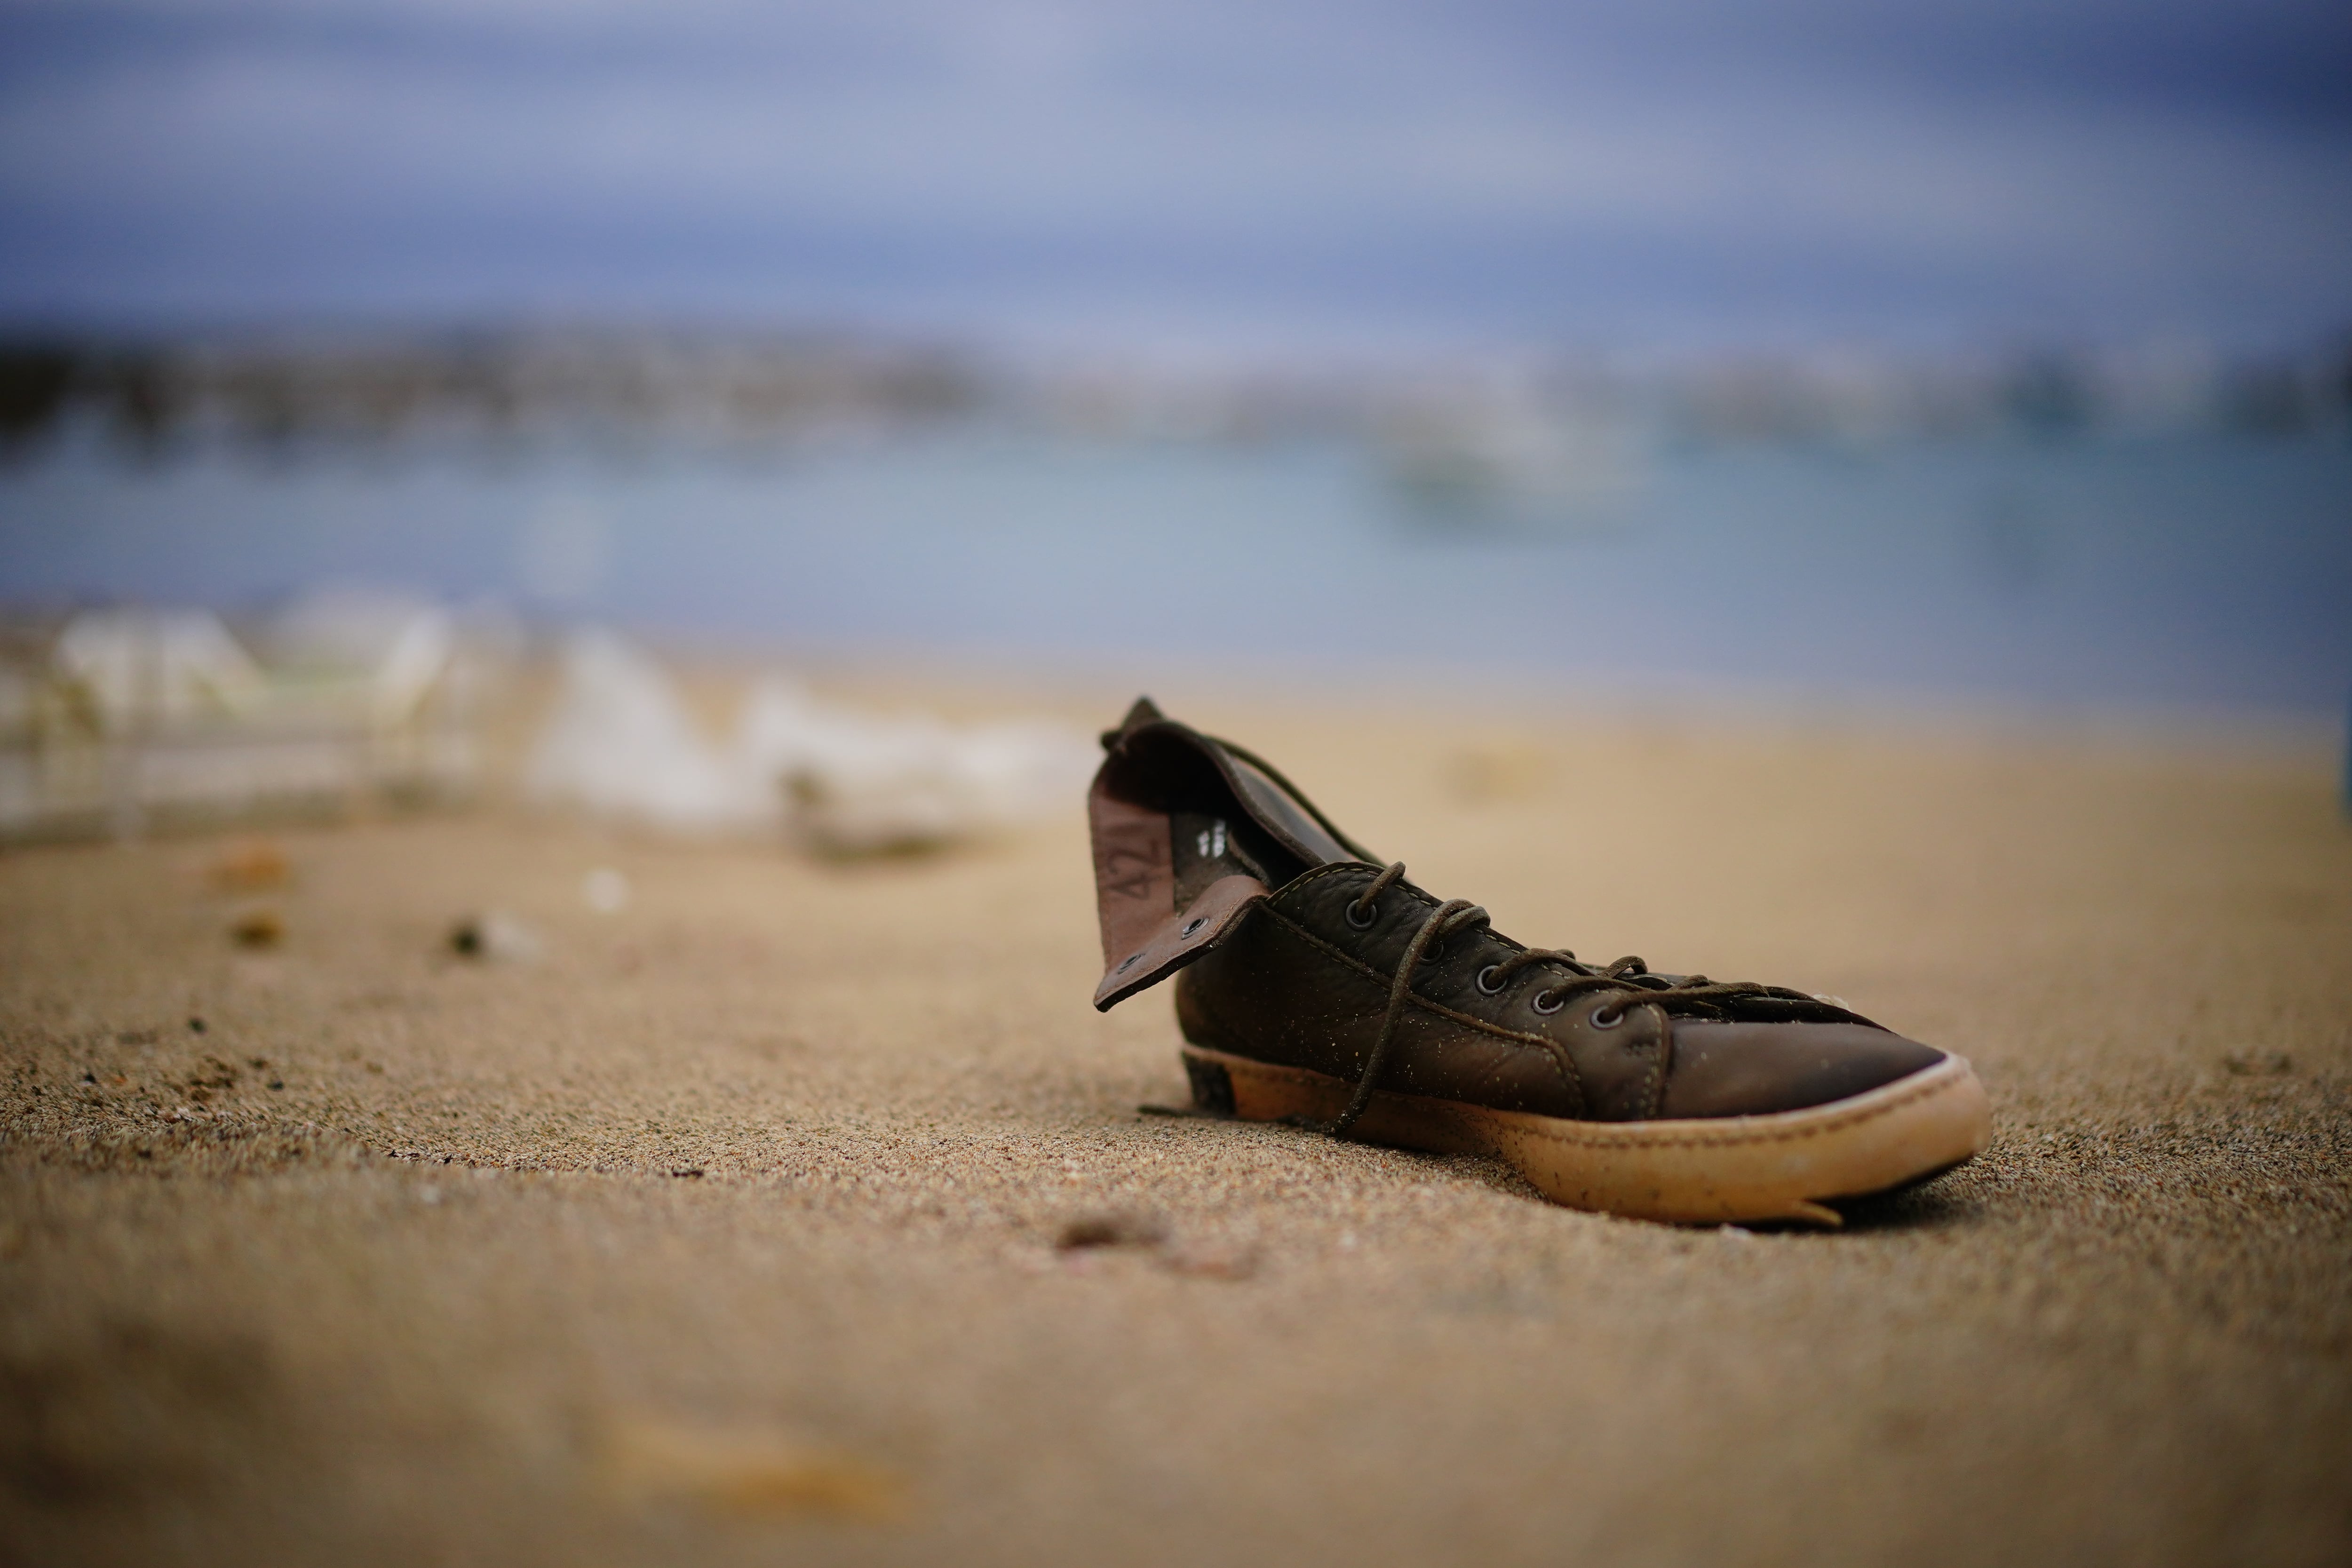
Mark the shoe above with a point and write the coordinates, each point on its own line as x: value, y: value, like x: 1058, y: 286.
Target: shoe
x: 1317, y: 987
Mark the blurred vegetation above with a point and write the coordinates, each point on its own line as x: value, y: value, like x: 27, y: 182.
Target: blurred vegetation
x: 282, y: 393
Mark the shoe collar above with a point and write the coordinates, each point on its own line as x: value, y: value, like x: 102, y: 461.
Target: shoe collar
x: 1155, y: 769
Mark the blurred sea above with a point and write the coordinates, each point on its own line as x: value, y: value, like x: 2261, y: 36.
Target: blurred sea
x: 2212, y: 571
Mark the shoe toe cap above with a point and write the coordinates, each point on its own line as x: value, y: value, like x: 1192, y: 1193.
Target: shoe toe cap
x: 1753, y: 1069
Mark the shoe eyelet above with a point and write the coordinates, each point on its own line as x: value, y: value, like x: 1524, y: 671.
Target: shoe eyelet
x: 1547, y: 1003
x: 1367, y: 920
x: 1127, y: 963
x: 1606, y: 1018
x: 1195, y: 926
x: 1486, y: 987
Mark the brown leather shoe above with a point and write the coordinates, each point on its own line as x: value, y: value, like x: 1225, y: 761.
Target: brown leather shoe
x: 1319, y: 988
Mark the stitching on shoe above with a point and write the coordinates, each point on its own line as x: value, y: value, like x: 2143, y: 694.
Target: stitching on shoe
x: 1653, y: 1092
x: 1553, y: 1052
x: 1341, y: 868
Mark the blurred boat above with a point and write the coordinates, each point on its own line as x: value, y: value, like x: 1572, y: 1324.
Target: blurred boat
x: 117, y: 720
x: 1509, y: 467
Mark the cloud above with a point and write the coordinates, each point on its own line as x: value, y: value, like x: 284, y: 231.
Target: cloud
x: 1377, y: 167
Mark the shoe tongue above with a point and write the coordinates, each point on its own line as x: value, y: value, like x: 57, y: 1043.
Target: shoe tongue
x: 1279, y: 814
x: 1272, y: 805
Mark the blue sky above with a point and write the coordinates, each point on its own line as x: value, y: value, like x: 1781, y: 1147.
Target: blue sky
x: 1196, y: 172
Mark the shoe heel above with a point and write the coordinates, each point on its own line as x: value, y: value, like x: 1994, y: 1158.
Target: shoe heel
x: 1236, y: 1087
x: 1252, y: 1091
x: 1213, y: 1086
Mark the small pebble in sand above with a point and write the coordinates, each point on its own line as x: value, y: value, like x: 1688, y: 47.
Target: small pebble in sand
x: 1113, y: 1227
x: 249, y: 866
x: 605, y: 890
x: 1148, y: 1233
x: 745, y: 1470
x: 497, y: 938
x: 2259, y: 1064
x: 258, y: 928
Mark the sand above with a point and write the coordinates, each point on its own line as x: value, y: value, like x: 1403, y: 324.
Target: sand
x: 726, y: 1231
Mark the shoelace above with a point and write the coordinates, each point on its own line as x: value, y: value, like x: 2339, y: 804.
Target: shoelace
x: 1629, y: 977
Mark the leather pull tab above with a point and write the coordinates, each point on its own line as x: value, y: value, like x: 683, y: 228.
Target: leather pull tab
x: 1135, y: 870
x: 1145, y: 711
x: 1179, y: 938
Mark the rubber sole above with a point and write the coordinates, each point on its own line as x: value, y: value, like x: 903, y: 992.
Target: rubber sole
x: 1784, y: 1166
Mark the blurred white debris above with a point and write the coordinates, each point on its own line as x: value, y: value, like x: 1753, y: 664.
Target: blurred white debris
x: 119, y: 715
x: 844, y: 781
x: 605, y: 890
x: 133, y: 667
x: 621, y: 744
x: 397, y: 644
x: 857, y: 783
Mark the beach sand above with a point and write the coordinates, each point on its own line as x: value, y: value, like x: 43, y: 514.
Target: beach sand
x: 726, y: 1230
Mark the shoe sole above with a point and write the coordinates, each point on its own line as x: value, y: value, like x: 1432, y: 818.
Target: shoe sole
x: 1783, y: 1166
